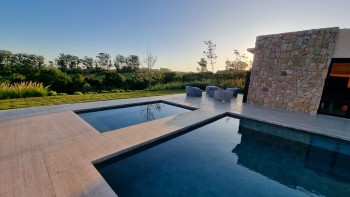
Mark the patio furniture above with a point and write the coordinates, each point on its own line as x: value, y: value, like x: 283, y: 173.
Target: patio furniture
x: 211, y: 93
x: 209, y: 88
x: 223, y: 95
x: 193, y: 91
x: 235, y: 91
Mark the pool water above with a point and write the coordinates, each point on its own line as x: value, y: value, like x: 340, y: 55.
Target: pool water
x: 234, y: 157
x: 111, y: 119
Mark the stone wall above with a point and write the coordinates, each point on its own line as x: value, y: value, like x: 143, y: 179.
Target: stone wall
x: 289, y: 69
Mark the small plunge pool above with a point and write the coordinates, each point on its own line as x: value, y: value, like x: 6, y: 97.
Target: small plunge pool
x: 111, y: 118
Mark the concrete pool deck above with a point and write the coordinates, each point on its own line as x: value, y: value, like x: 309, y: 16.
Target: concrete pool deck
x: 50, y: 151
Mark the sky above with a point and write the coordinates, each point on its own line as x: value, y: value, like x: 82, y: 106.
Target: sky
x: 175, y: 29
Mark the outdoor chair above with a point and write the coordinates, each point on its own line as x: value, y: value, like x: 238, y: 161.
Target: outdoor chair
x: 223, y: 95
x: 193, y: 91
x: 209, y: 88
x: 211, y: 93
x: 235, y: 91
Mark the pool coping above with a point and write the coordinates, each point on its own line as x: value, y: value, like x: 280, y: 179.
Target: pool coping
x: 87, y: 110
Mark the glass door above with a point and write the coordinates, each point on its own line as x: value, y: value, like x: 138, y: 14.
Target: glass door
x: 336, y: 94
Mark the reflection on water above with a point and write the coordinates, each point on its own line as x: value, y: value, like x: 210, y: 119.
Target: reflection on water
x: 297, y: 160
x: 147, y: 113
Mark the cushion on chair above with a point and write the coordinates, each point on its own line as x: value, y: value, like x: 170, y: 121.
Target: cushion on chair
x: 193, y: 91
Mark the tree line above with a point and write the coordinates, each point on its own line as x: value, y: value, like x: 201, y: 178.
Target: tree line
x: 103, y: 61
x: 69, y: 73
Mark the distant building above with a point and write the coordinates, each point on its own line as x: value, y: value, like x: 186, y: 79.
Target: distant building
x: 305, y: 71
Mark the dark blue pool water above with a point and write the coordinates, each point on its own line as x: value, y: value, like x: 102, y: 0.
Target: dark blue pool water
x: 110, y: 119
x: 232, y: 157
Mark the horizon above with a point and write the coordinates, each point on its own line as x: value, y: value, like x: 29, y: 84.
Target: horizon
x: 176, y: 30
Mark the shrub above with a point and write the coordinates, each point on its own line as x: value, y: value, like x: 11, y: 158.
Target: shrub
x: 56, y: 79
x: 230, y: 83
x: 77, y: 93
x: 22, y: 90
x: 16, y: 77
x: 77, y: 83
x: 95, y: 83
x: 179, y: 85
x: 87, y: 87
x: 117, y: 90
x: 114, y: 80
x: 3, y: 80
x: 52, y: 93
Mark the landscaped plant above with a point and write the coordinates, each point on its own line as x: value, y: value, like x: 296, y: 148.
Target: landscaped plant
x: 22, y: 90
x: 52, y: 93
x: 179, y: 85
x: 78, y: 93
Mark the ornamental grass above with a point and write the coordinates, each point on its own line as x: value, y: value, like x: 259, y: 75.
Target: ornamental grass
x: 22, y: 90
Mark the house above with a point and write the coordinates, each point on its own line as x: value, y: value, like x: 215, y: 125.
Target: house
x: 305, y: 71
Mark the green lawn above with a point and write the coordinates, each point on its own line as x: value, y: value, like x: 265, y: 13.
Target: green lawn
x: 55, y: 100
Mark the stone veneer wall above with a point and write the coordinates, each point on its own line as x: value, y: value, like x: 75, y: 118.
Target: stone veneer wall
x: 289, y: 69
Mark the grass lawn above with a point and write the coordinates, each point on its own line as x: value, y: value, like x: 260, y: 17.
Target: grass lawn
x: 56, y: 100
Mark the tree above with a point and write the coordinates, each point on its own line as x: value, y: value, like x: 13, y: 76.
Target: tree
x: 88, y: 62
x: 210, y: 53
x: 119, y: 62
x: 4, y: 56
x: 202, y: 65
x: 24, y: 63
x: 24, y: 59
x: 150, y: 60
x: 103, y: 60
x: 239, y: 64
x: 67, y: 61
x: 133, y: 62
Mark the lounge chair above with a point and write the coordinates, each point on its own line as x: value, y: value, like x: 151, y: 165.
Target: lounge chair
x: 235, y: 91
x: 209, y: 88
x: 223, y: 95
x: 193, y: 91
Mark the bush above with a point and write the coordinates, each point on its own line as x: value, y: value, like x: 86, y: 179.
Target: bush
x: 77, y: 93
x: 62, y: 94
x: 87, y: 87
x: 3, y: 80
x: 22, y: 90
x: 114, y: 80
x: 16, y: 77
x: 56, y: 79
x: 232, y: 83
x: 95, y: 83
x: 77, y: 83
x: 117, y: 90
x: 52, y: 93
x: 179, y: 85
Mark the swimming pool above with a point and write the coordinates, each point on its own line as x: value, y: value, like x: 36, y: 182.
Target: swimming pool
x: 233, y: 157
x: 118, y: 117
